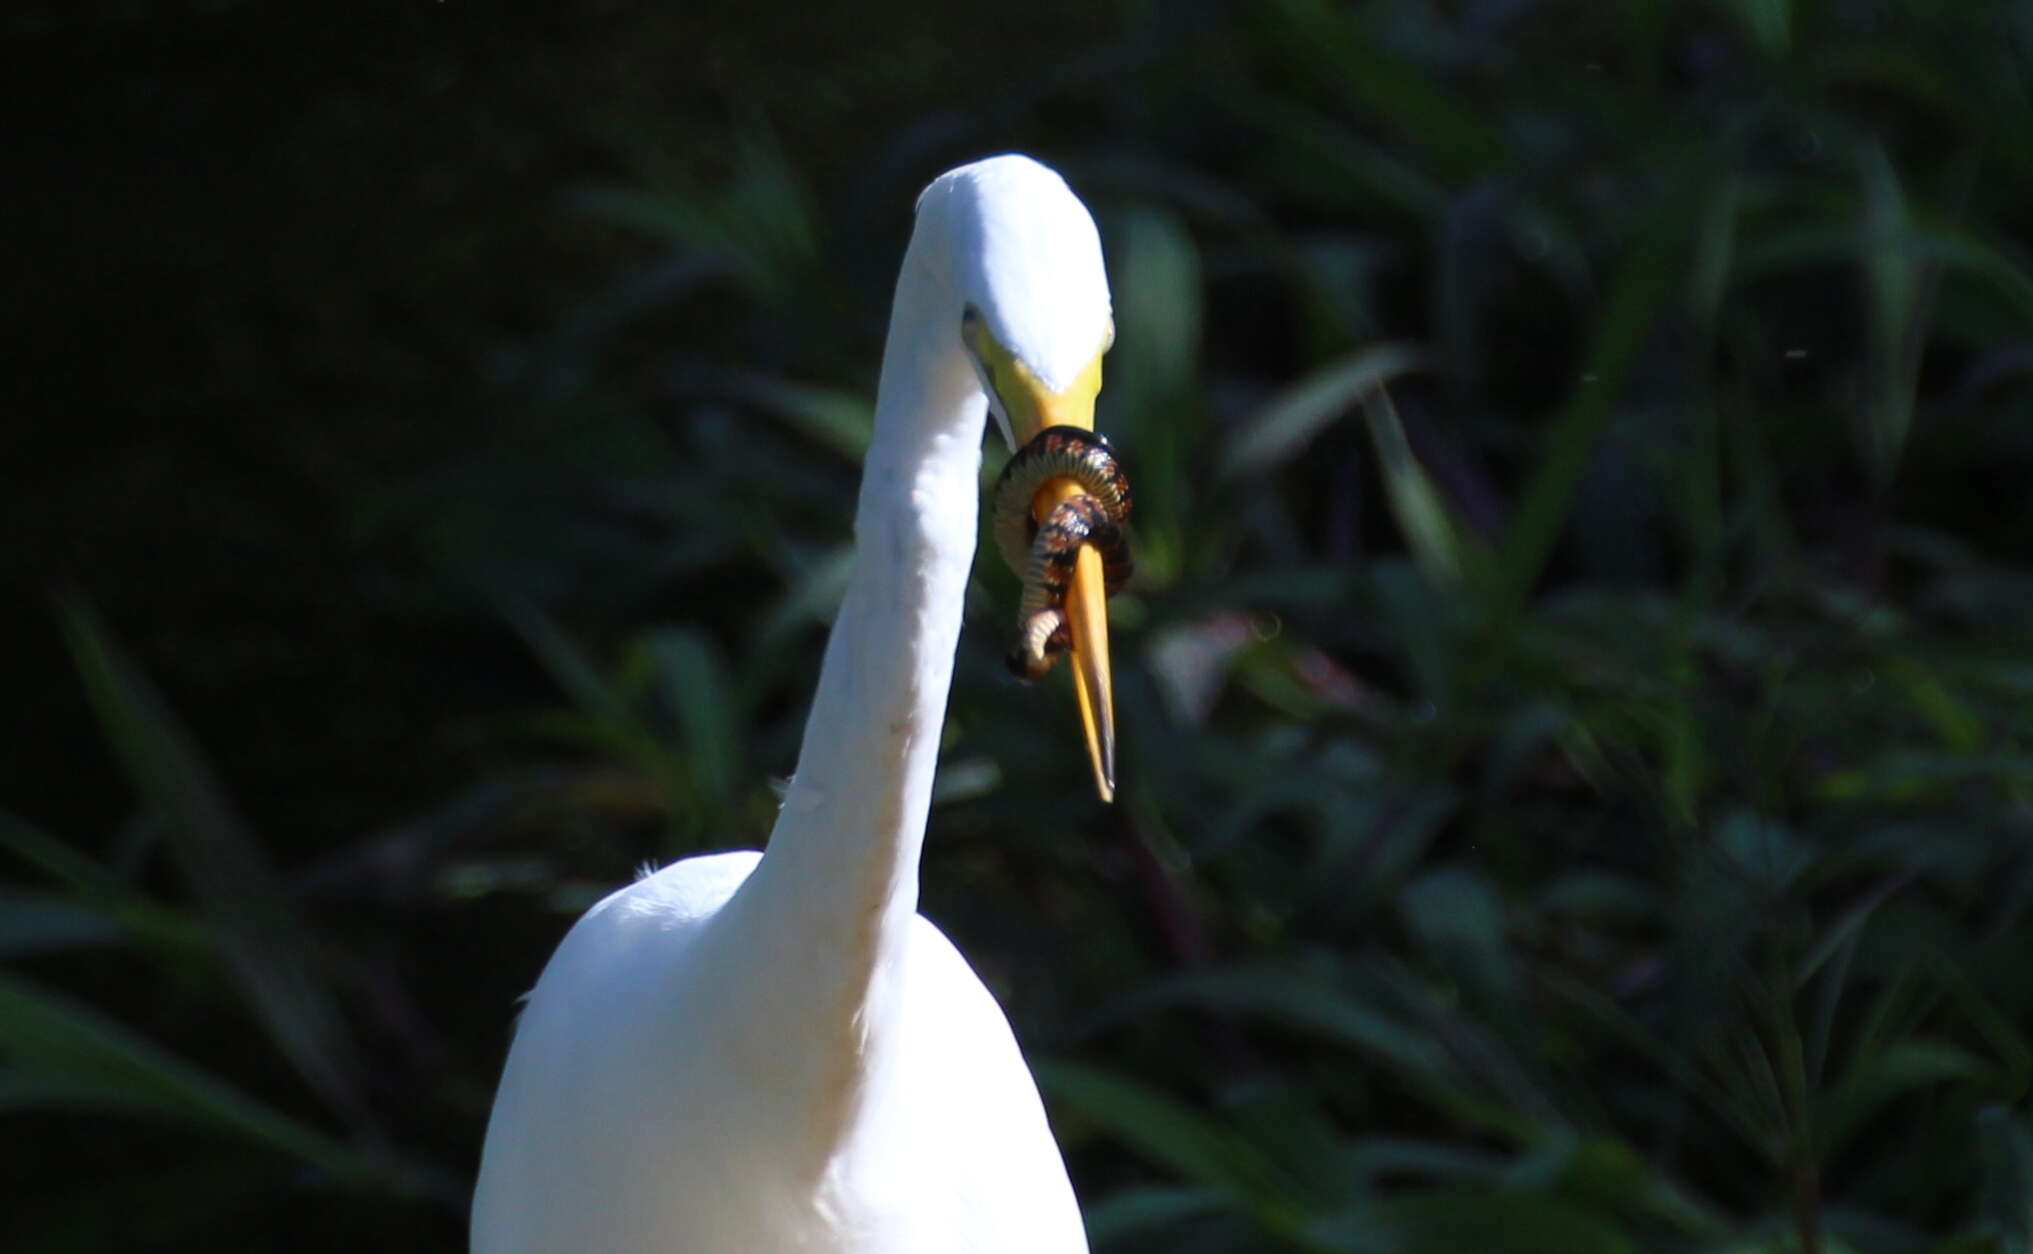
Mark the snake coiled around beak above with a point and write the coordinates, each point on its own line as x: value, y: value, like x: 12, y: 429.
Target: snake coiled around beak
x: 1043, y: 552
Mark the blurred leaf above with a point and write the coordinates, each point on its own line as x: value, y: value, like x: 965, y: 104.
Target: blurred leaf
x: 1715, y: 253
x: 53, y: 857
x: 1892, y: 283
x: 1156, y: 275
x: 1358, y: 171
x: 259, y: 931
x: 693, y: 681
x: 1671, y: 1058
x: 1449, y: 1221
x: 1285, y: 1121
x: 1282, y: 428
x: 1951, y: 719
x: 841, y: 421
x: 38, y: 922
x: 1458, y: 919
x: 1190, y: 662
x: 568, y: 665
x: 1422, y: 515
x: 1983, y: 259
x: 811, y: 600
x: 2006, y: 1152
x: 1601, y: 894
x: 1133, y: 1212
x: 1163, y: 1131
x: 58, y: 1053
x: 965, y: 780
x: 1300, y: 1000
x: 760, y: 218
x: 1376, y: 1157
x: 1636, y: 297
x: 1395, y: 90
x: 1614, y: 1176
x: 1767, y: 24
x: 1153, y: 376
x: 96, y: 892
x: 1765, y: 852
x: 1969, y: 1245
x: 1885, y: 1076
x: 1911, y: 776
x: 1420, y: 615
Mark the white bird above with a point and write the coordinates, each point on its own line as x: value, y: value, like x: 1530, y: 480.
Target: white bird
x: 746, y: 1053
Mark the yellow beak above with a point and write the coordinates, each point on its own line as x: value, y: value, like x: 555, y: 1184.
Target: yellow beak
x: 1030, y: 407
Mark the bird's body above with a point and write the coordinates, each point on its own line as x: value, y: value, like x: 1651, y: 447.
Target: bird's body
x: 942, y: 1150
x: 747, y: 1053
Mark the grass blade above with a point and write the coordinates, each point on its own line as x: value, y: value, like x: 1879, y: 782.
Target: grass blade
x: 1640, y: 291
x: 1163, y: 1130
x: 1283, y: 428
x: 258, y: 930
x: 61, y: 1054
x: 693, y: 680
x: 1422, y: 515
x: 568, y: 664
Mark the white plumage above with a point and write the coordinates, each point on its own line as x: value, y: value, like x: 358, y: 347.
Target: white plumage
x: 746, y: 1053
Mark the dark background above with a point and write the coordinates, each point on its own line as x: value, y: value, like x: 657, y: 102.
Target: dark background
x: 1575, y: 699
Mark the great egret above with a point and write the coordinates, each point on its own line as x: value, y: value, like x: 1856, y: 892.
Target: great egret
x: 745, y: 1053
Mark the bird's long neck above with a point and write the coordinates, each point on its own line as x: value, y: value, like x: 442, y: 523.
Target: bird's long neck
x: 833, y: 898
x: 854, y: 817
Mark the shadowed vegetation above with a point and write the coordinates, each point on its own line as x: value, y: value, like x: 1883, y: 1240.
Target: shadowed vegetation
x: 1576, y: 697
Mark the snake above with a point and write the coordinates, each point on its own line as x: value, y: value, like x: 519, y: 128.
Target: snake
x: 1043, y: 553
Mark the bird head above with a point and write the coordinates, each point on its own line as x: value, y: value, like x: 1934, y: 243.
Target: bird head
x: 1019, y: 259
x: 1019, y: 256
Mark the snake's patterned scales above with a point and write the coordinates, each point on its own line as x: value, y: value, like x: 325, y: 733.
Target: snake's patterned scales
x: 1043, y: 554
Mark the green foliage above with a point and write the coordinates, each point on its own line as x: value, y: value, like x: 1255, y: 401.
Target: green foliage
x: 1576, y: 698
